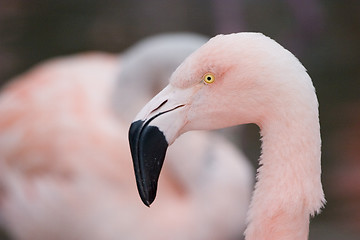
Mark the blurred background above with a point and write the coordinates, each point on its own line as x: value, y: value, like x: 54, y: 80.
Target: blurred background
x: 324, y: 35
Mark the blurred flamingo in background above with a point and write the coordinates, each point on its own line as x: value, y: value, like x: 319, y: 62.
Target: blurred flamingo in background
x: 65, y: 167
x: 236, y: 79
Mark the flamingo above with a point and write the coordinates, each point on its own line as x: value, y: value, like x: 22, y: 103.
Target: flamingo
x: 236, y: 79
x: 65, y: 166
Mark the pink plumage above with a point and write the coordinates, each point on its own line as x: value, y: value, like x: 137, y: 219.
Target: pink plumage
x: 65, y: 167
x: 255, y: 80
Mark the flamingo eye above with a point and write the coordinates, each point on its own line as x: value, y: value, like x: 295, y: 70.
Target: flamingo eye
x: 209, y: 78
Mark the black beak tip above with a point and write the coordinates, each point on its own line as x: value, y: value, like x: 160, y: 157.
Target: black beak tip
x: 148, y: 148
x: 146, y: 198
x: 147, y: 203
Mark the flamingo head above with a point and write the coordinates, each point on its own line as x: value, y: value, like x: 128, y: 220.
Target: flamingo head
x: 228, y: 81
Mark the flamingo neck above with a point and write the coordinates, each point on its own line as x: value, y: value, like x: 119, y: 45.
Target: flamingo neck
x: 288, y: 189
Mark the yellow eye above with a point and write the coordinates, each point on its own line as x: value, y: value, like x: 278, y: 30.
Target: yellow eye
x: 209, y: 78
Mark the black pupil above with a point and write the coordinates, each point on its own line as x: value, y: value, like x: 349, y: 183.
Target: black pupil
x: 208, y: 78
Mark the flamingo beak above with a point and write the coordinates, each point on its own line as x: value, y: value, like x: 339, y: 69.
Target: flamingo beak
x: 148, y: 148
x: 158, y: 124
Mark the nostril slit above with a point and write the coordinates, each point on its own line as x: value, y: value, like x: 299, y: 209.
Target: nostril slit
x: 162, y: 104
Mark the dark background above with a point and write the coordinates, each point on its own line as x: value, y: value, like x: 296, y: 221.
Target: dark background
x: 324, y: 35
